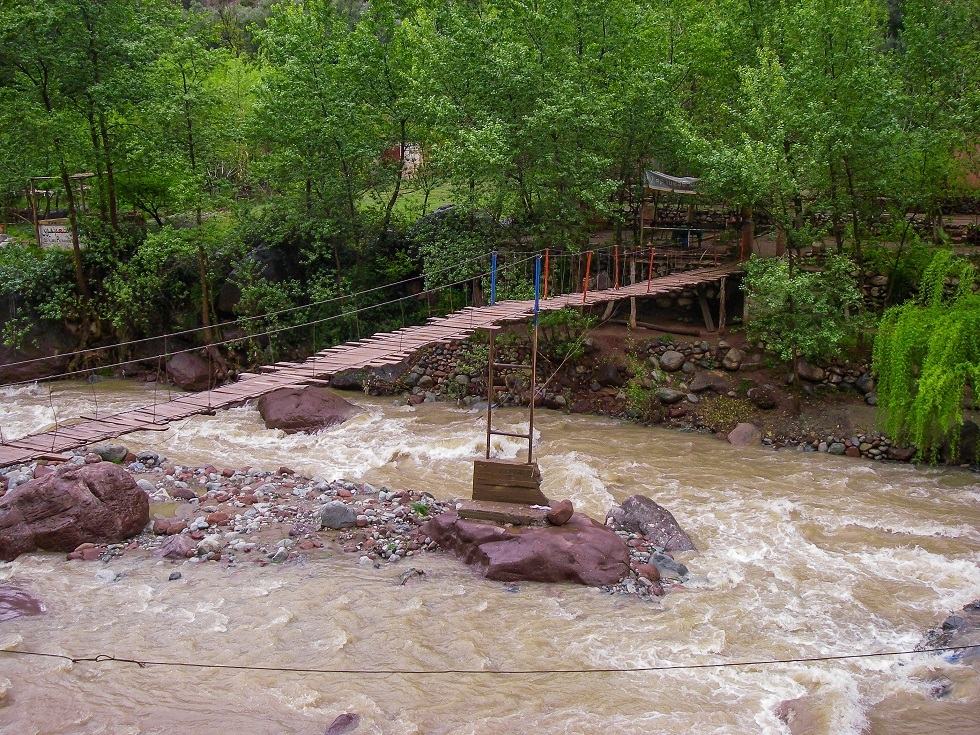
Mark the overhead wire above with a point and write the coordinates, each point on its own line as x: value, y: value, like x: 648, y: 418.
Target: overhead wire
x: 145, y: 663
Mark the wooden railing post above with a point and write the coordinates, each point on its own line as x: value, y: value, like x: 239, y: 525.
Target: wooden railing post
x: 585, y: 282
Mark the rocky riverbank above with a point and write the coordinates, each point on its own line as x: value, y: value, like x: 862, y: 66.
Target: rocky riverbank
x: 250, y: 516
x: 709, y: 386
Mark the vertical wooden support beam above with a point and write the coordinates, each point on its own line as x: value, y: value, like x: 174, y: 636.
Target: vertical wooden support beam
x: 493, y: 338
x: 534, y: 361
x: 616, y: 267
x: 709, y: 323
x: 650, y: 271
x: 722, y: 316
x: 585, y: 281
x: 32, y: 195
x: 546, y: 272
x: 493, y: 278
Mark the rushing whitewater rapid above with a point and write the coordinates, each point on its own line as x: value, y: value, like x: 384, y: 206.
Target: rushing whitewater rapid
x: 801, y: 555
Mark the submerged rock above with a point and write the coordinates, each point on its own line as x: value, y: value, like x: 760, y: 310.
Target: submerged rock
x: 176, y: 547
x: 304, y: 409
x: 581, y: 551
x: 640, y: 514
x: 807, y: 714
x: 344, y: 724
x: 75, y: 504
x: 15, y: 602
x: 961, y: 631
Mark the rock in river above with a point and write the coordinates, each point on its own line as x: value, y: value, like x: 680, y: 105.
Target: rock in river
x: 640, y: 514
x: 190, y: 371
x: 304, y: 409
x: 76, y: 504
x: 745, y: 435
x: 581, y: 551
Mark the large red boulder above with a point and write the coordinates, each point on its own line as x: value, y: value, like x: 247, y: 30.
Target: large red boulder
x: 192, y: 372
x: 582, y: 550
x: 304, y: 409
x: 76, y: 504
x: 640, y: 514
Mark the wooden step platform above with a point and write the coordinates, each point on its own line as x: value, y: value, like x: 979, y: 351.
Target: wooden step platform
x: 507, y: 481
x: 513, y: 513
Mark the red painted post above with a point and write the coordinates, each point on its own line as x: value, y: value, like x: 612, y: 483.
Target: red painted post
x: 585, y: 283
x: 650, y: 271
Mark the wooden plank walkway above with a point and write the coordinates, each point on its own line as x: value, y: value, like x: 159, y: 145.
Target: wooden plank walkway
x: 388, y: 348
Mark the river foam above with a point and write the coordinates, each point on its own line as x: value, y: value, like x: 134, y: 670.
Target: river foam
x: 800, y: 555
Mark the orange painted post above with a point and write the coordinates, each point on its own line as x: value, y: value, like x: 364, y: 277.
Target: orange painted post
x: 650, y: 271
x: 585, y: 283
x: 546, y: 253
x: 616, y: 266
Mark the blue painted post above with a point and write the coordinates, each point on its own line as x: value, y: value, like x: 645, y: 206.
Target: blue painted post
x: 493, y: 278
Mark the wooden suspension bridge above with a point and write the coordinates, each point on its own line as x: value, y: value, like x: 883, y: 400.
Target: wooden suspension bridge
x: 383, y: 349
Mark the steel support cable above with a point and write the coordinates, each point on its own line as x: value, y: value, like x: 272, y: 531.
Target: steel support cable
x: 144, y: 663
x: 241, y: 338
x: 165, y: 337
x: 255, y: 334
x: 238, y: 321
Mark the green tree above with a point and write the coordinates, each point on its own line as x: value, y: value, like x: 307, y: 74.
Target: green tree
x: 926, y: 355
x: 36, y: 50
x: 801, y: 314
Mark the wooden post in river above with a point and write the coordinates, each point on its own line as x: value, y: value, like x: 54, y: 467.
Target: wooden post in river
x: 504, y: 490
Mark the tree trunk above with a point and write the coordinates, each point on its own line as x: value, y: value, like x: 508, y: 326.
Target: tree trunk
x: 748, y: 233
x: 202, y: 269
x: 75, y: 243
x: 191, y: 153
x: 109, y: 173
x: 97, y: 152
x: 398, y: 180
x: 855, y: 223
x: 796, y: 383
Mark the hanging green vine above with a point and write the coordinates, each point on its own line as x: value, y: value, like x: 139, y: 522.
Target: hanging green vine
x: 926, y: 353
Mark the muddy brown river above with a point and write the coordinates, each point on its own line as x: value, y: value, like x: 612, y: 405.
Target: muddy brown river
x: 801, y: 555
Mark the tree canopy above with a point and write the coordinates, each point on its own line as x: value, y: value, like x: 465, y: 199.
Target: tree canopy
x: 293, y: 124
